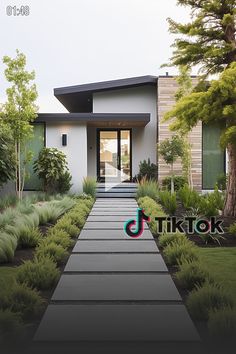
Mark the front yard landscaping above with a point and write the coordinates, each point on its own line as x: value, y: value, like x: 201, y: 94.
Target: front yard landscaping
x: 203, y: 270
x: 36, y: 237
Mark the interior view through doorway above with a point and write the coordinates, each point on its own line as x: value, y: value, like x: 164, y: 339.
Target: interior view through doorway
x: 114, y: 155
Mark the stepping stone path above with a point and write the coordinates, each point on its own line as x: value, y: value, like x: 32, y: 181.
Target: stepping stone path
x: 115, y: 288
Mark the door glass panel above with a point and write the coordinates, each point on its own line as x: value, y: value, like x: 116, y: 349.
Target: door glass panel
x: 125, y: 154
x: 108, y: 154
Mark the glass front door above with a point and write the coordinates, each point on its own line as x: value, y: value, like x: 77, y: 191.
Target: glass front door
x: 114, y: 155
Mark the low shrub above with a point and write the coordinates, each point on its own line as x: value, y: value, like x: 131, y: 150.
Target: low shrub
x: 232, y: 229
x: 10, y: 200
x: 221, y: 181
x: 176, y: 253
x: 168, y: 200
x: 189, y: 197
x: 179, y: 182
x: 29, y: 238
x: 168, y: 238
x: 59, y: 237
x: 11, y: 326
x: 8, y: 244
x: 23, y: 300
x: 68, y: 227
x: 152, y: 209
x: 222, y: 323
x: 41, y: 274
x: 52, y: 251
x: 209, y: 297
x: 148, y: 188
x: 77, y: 217
x: 147, y: 170
x: 192, y: 274
x: 90, y: 186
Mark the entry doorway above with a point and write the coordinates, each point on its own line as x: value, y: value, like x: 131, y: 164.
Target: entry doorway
x: 114, y: 155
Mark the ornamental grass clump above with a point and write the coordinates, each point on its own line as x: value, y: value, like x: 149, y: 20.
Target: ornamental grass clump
x: 41, y: 273
x: 59, y: 237
x: 52, y: 251
x: 68, y: 227
x: 222, y: 324
x: 192, y: 274
x: 90, y: 186
x: 148, y: 188
x: 167, y: 238
x: 21, y: 299
x: 209, y: 297
x: 178, y: 252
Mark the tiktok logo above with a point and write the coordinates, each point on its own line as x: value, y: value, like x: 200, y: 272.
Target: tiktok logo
x: 139, y: 223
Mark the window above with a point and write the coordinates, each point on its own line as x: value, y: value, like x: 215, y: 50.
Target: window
x: 35, y: 145
x: 213, y: 157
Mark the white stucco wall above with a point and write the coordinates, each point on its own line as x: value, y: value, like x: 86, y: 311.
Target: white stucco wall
x: 76, y: 149
x: 133, y: 100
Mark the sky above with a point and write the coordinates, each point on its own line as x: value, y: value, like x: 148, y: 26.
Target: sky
x: 71, y: 42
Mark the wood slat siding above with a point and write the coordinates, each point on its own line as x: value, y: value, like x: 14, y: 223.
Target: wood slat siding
x: 167, y: 87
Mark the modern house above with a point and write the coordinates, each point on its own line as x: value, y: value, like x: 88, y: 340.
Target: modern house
x: 111, y: 126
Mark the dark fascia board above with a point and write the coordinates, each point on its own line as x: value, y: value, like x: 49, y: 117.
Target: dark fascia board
x: 92, y: 117
x: 107, y: 85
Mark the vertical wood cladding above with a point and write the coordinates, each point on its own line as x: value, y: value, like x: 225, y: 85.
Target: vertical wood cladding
x: 167, y: 87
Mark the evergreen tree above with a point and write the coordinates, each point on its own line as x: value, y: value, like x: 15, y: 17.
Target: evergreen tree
x: 210, y: 43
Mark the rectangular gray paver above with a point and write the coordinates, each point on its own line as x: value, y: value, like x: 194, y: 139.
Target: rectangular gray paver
x: 112, y: 235
x: 115, y: 263
x: 116, y: 287
x: 111, y: 213
x: 115, y: 246
x: 106, y: 225
x: 106, y: 218
x: 129, y: 209
x: 116, y: 322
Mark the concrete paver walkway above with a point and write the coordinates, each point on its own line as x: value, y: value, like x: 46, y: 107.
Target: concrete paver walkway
x: 115, y: 288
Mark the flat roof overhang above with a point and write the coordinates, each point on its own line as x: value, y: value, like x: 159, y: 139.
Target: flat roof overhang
x: 79, y: 98
x: 127, y: 120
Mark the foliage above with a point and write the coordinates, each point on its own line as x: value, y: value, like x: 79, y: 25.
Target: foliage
x: 170, y: 150
x: 21, y: 299
x: 8, y: 244
x: 180, y: 251
x: 29, y: 237
x: 90, y: 186
x: 58, y: 237
x: 179, y: 182
x: 192, y: 274
x: 221, y: 181
x: 167, y: 238
x: 189, y: 197
x: 147, y: 170
x: 222, y: 323
x: 207, y: 298
x: 7, y: 155
x: 168, y: 200
x: 152, y: 209
x: 67, y: 226
x: 19, y: 112
x: 211, y: 203
x: 209, y: 237
x: 209, y: 41
x: 7, y: 201
x: 64, y: 183
x: 11, y: 326
x: 232, y: 229
x: 148, y: 188
x: 41, y: 274
x: 51, y: 167
x: 51, y: 251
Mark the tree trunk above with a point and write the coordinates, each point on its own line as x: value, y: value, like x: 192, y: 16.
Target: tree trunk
x: 230, y: 201
x: 172, y: 186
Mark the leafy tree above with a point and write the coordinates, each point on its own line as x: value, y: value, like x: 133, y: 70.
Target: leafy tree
x: 51, y: 167
x: 170, y: 150
x: 209, y: 41
x: 7, y: 155
x: 19, y: 111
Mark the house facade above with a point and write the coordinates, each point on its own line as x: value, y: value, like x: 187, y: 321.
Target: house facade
x: 111, y: 126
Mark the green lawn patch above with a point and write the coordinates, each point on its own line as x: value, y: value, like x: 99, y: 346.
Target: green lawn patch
x: 221, y: 263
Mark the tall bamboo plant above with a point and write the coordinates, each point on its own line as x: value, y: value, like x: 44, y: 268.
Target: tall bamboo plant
x: 19, y: 112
